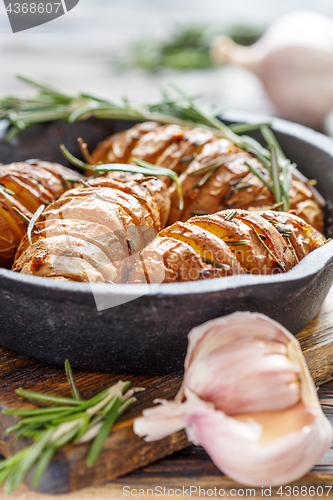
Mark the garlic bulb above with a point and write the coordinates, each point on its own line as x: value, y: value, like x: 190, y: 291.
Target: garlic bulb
x: 248, y: 399
x: 294, y: 60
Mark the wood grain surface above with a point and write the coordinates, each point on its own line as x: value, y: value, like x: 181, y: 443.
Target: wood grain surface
x: 69, y: 478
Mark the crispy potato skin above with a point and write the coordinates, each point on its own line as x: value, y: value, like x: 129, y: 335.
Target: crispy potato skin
x: 26, y: 186
x: 97, y: 234
x: 276, y: 242
x: 167, y: 260
x: 208, y: 246
x: 86, y: 227
x: 186, y: 151
x: 151, y: 192
x: 12, y: 228
x: 102, y: 224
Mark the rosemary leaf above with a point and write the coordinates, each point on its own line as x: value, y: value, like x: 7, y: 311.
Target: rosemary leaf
x: 211, y: 166
x: 72, y: 420
x: 33, y: 221
x: 42, y: 465
x: 260, y: 176
x: 23, y: 217
x: 103, y: 433
x: 46, y: 398
x: 218, y: 265
x: 157, y: 170
x: 71, y: 381
x: 241, y: 128
x: 237, y: 243
x: 276, y: 260
x: 271, y: 140
x: 36, y: 411
x: 275, y: 175
x: 203, y: 180
x: 230, y: 215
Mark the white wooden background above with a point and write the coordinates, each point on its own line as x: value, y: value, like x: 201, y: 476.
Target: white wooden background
x: 74, y: 51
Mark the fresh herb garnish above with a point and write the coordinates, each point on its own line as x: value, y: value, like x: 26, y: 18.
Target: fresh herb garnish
x: 23, y: 217
x: 218, y: 265
x: 143, y: 167
x: 230, y: 215
x: 261, y: 241
x: 211, y: 166
x: 181, y: 109
x: 237, y: 243
x: 68, y: 420
x: 33, y: 221
x: 6, y: 190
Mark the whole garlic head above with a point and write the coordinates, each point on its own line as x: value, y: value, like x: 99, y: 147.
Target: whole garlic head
x: 249, y: 401
x: 294, y: 60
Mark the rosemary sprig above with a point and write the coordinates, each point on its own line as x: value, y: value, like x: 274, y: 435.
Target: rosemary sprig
x: 141, y: 167
x: 68, y: 420
x: 51, y: 104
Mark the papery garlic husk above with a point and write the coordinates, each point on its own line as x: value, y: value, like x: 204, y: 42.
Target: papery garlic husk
x: 241, y: 364
x: 167, y: 418
x: 249, y: 401
x: 294, y: 60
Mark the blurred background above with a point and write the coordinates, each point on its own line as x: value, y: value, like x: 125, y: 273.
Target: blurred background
x: 132, y: 48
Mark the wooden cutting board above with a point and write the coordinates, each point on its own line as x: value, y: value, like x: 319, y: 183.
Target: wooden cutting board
x: 124, y: 452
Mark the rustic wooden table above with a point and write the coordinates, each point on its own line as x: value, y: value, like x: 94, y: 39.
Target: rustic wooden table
x: 190, y: 469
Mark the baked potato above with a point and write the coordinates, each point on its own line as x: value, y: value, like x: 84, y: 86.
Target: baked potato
x: 100, y: 224
x: 103, y: 234
x: 27, y: 186
x: 213, y: 172
x: 230, y: 242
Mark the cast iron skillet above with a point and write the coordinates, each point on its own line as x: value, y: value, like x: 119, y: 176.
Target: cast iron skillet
x: 52, y: 321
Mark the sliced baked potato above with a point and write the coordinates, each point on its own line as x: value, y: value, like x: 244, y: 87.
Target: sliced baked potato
x: 232, y: 242
x: 214, y: 173
x: 103, y: 223
x: 27, y: 186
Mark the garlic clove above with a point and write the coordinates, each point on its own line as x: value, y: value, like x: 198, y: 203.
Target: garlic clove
x: 240, y: 363
x: 262, y: 449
